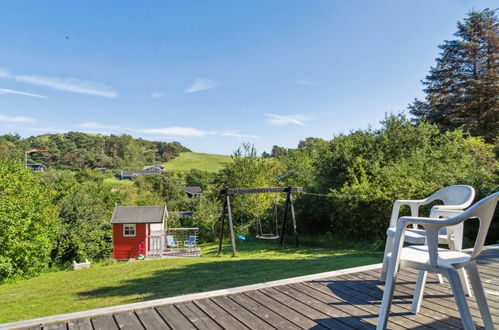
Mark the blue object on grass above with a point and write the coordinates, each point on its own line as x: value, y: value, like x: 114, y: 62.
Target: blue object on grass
x: 242, y: 238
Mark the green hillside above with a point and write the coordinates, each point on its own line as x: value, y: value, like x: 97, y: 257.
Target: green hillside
x: 189, y: 160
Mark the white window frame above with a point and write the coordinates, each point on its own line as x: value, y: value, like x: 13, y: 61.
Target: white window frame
x: 130, y: 226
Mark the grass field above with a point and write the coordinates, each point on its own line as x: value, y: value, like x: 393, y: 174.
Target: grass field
x: 190, y: 160
x: 116, y: 183
x: 123, y: 283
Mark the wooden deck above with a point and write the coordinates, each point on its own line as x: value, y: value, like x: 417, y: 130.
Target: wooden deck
x: 348, y: 301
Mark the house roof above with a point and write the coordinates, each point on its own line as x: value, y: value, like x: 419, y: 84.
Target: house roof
x: 193, y: 190
x: 35, y: 165
x: 139, y: 214
x: 139, y: 172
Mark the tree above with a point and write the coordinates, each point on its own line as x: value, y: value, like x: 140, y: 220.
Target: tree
x: 28, y: 221
x: 462, y: 89
x: 199, y: 178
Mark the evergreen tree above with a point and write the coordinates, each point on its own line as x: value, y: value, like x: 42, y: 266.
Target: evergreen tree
x: 463, y: 87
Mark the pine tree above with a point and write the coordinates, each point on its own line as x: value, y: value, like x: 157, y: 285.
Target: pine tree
x: 462, y: 89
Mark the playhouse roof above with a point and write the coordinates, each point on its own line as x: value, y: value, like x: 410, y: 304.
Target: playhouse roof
x: 139, y: 214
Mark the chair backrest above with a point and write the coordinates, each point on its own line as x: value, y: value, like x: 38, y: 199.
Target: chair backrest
x: 483, y: 210
x: 460, y: 196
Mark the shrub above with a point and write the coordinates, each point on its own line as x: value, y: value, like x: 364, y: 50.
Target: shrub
x: 27, y: 221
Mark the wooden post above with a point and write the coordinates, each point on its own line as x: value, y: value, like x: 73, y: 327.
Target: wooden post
x: 294, y: 220
x: 231, y: 228
x: 288, y: 199
x: 220, y: 241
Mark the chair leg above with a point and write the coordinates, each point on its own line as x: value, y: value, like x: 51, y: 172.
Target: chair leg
x: 462, y: 305
x: 465, y: 282
x: 481, y: 300
x: 419, y: 291
x: 388, y: 249
x: 387, y: 300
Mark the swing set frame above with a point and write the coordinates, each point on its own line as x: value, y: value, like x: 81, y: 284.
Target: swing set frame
x: 225, y: 193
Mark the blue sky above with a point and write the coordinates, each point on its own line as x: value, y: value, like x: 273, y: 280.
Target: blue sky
x: 215, y: 74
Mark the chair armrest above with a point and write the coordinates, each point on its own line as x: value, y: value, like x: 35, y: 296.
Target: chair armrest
x: 414, y: 204
x: 439, y: 211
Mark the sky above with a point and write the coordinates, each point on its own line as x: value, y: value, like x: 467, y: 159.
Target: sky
x: 216, y: 74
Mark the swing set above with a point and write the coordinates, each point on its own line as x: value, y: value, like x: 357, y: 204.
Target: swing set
x: 226, y: 210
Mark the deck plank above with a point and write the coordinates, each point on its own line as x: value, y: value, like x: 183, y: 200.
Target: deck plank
x: 355, y: 315
x: 219, y: 315
x: 197, y: 316
x: 128, y: 321
x: 439, y: 295
x: 440, y: 301
x: 104, y: 322
x: 362, y: 287
x: 299, y: 319
x: 263, y: 312
x: 151, y: 320
x: 243, y: 315
x: 56, y: 326
x: 325, y: 315
x: 174, y: 318
x: 80, y: 324
x: 351, y: 289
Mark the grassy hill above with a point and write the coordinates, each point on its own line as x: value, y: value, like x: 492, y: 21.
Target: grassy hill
x: 189, y: 160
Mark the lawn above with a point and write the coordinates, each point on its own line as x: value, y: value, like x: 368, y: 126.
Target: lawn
x: 190, y: 160
x: 122, y: 283
x: 116, y: 183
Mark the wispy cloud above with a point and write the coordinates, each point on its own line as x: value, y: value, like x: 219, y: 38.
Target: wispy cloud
x: 97, y: 126
x: 47, y: 130
x: 4, y: 73
x: 201, y: 84
x: 12, y: 91
x: 157, y: 94
x: 305, y: 82
x: 193, y: 132
x: 279, y: 120
x: 73, y: 85
x: 237, y: 135
x: 16, y: 119
x: 176, y: 131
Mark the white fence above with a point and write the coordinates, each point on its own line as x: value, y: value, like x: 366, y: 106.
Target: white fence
x: 174, y: 242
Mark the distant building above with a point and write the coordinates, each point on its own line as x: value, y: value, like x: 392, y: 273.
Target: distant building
x: 37, y: 167
x: 132, y: 174
x: 193, y: 191
x: 155, y: 167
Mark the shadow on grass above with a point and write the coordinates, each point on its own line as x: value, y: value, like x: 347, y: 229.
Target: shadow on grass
x: 255, y: 246
x: 213, y: 275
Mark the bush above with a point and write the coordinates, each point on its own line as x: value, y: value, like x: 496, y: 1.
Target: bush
x: 28, y: 221
x: 366, y: 171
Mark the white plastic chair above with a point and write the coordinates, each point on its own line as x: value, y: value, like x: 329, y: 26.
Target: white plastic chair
x: 430, y: 258
x: 170, y: 241
x: 455, y: 198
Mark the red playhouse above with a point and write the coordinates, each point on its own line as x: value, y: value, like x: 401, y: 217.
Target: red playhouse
x: 132, y: 227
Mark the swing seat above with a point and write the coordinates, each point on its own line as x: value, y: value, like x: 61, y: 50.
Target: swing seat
x: 267, y: 236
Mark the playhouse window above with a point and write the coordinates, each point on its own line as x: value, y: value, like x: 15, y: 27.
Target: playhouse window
x: 129, y: 230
